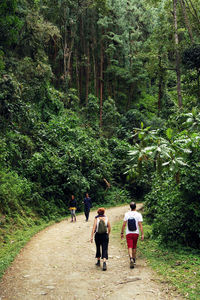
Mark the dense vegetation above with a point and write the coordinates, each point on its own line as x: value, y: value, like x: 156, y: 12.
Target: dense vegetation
x: 101, y: 96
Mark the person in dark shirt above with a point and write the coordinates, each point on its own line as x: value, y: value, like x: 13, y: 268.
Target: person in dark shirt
x: 87, y: 205
x: 72, y: 208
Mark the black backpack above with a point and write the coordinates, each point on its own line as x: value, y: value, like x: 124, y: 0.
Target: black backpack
x: 132, y: 224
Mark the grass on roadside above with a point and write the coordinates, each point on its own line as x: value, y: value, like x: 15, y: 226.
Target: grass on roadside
x: 178, y: 266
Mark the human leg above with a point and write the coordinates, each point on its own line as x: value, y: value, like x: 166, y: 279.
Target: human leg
x: 132, y: 244
x: 135, y: 239
x: 72, y: 215
x: 98, y: 244
x: 105, y: 241
x: 87, y: 214
x: 130, y: 252
x: 129, y: 240
x: 134, y: 253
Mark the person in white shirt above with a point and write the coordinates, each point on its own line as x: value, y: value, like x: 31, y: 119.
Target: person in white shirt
x: 133, y: 220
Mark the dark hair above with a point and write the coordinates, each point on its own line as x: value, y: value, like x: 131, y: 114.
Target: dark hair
x: 132, y: 205
x: 101, y: 211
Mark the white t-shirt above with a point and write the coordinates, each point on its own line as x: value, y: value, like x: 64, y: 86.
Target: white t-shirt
x: 138, y: 218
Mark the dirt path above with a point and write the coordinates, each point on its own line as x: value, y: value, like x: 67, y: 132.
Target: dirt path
x: 58, y: 263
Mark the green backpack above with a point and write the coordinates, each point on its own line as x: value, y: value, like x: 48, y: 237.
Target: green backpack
x: 102, y: 228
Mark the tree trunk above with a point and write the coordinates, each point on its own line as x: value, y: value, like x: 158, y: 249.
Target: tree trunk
x: 94, y: 70
x: 65, y: 56
x: 198, y: 83
x: 69, y: 55
x: 195, y: 12
x: 81, y: 49
x: 87, y: 74
x: 101, y: 83
x: 160, y: 84
x: 130, y: 94
x: 178, y: 71
x: 186, y: 19
x: 77, y: 73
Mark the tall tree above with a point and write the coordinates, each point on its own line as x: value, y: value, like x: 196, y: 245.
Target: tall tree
x: 176, y: 38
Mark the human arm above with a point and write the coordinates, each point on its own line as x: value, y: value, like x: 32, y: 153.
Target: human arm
x: 141, y: 230
x: 93, y: 229
x: 109, y: 227
x: 123, y: 228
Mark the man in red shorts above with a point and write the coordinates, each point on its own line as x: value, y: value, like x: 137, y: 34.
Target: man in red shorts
x: 133, y: 220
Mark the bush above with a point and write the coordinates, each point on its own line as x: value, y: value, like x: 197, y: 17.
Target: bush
x: 15, y: 192
x: 174, y: 215
x: 116, y: 195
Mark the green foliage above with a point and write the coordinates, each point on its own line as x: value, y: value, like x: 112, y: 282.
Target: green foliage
x: 116, y: 195
x: 10, y: 23
x: 128, y: 121
x: 191, y: 57
x: 174, y: 192
x: 110, y: 117
x: 15, y: 193
x: 10, y: 97
x: 2, y: 64
x: 72, y: 100
x: 91, y: 112
x: 174, y: 209
x: 52, y: 57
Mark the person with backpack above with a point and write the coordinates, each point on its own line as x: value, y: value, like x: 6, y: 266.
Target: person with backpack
x: 87, y: 205
x: 72, y: 208
x: 133, y: 223
x: 101, y: 229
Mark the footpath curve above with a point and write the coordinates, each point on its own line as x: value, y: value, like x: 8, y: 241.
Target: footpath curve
x: 58, y: 263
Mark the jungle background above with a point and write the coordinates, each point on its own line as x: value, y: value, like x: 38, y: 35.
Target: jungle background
x: 100, y: 96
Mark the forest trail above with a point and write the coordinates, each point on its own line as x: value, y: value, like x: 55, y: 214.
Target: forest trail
x: 59, y: 264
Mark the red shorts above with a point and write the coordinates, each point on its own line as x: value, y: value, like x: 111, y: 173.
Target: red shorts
x: 131, y: 239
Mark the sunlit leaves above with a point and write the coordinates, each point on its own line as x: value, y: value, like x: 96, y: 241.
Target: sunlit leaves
x: 170, y: 152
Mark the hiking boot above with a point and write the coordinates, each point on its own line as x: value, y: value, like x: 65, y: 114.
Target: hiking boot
x: 134, y: 261
x: 98, y: 263
x: 104, y: 266
x: 132, y: 264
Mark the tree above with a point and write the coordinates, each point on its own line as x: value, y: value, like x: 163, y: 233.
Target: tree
x: 178, y: 72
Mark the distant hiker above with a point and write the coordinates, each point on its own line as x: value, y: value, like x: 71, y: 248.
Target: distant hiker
x: 72, y: 207
x: 133, y: 220
x: 101, y: 229
x: 87, y: 205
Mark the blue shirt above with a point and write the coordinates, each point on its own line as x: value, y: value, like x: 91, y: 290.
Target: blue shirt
x: 87, y: 203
